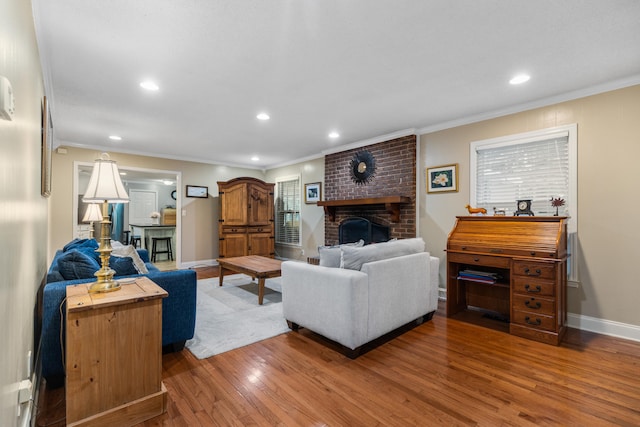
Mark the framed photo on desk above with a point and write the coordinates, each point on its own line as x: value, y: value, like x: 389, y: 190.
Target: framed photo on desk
x: 197, y: 191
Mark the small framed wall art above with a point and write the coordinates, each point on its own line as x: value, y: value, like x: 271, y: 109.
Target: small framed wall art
x: 442, y: 179
x: 46, y: 146
x: 197, y: 191
x: 312, y: 192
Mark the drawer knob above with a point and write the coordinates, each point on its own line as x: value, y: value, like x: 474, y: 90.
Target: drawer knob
x: 537, y: 322
x: 476, y: 259
x: 531, y: 304
x: 533, y: 253
x: 528, y: 288
x: 528, y: 272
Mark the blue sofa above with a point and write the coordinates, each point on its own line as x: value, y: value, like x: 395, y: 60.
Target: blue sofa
x: 178, y: 309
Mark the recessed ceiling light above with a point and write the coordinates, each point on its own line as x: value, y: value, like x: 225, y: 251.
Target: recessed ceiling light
x: 149, y: 85
x: 123, y: 173
x: 167, y: 182
x: 519, y: 79
x: 255, y: 158
x: 263, y: 116
x: 115, y: 138
x: 334, y: 135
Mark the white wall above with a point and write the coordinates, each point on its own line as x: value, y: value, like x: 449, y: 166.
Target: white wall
x: 23, y: 211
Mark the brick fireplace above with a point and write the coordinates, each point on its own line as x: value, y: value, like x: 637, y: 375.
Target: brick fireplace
x: 394, y: 180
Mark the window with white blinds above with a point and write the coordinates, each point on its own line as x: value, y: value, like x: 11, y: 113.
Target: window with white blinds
x: 538, y: 166
x: 288, y: 210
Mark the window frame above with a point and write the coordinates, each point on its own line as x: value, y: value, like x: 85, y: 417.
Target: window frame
x: 279, y: 181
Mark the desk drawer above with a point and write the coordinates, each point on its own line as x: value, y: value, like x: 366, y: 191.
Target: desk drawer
x: 534, y: 320
x: 529, y: 286
x: 534, y: 304
x: 541, y: 270
x: 485, y: 260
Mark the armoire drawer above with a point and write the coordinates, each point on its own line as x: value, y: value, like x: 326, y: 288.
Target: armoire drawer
x: 484, y: 260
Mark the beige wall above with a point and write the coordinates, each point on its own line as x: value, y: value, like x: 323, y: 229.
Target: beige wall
x: 23, y: 211
x: 608, y: 202
x: 312, y: 231
x: 199, y: 223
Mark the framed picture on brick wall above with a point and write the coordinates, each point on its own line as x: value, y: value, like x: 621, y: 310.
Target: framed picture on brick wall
x: 442, y: 179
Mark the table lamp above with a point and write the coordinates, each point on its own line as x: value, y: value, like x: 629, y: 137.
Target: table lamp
x: 105, y: 186
x: 91, y: 215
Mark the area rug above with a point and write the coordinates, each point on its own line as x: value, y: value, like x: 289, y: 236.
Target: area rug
x: 229, y: 317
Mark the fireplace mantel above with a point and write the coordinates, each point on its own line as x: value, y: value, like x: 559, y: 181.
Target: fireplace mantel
x: 391, y: 203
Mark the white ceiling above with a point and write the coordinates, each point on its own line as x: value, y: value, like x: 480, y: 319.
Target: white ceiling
x: 364, y: 68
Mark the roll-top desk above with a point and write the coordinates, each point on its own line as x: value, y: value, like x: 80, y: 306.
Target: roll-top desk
x: 525, y: 262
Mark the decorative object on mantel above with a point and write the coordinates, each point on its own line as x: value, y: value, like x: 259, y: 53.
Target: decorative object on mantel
x: 442, y: 179
x: 476, y: 211
x: 363, y: 167
x: 312, y: 192
x: 499, y: 211
x: 391, y: 204
x: 556, y: 203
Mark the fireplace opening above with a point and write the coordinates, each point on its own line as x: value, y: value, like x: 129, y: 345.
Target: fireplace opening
x: 355, y: 228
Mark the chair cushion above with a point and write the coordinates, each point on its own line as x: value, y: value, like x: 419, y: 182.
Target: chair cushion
x: 353, y: 257
x: 75, y: 264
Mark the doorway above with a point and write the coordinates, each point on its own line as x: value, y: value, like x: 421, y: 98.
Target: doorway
x: 166, y: 185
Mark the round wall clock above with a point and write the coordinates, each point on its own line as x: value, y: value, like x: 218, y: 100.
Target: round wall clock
x: 363, y: 167
x: 173, y: 194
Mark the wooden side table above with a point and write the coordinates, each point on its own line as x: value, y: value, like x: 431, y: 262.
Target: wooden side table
x: 114, y: 355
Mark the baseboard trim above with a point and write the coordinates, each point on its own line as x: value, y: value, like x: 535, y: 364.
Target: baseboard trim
x: 603, y: 326
x: 196, y: 264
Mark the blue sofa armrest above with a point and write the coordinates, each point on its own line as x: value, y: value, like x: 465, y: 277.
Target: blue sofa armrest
x: 179, y: 308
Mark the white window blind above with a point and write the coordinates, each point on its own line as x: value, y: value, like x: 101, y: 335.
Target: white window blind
x: 537, y: 170
x: 288, y: 210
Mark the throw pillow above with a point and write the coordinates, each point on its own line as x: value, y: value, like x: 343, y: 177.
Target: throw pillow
x: 330, y: 255
x: 130, y: 251
x: 77, y: 265
x: 80, y: 243
x: 123, y: 266
x: 353, y: 258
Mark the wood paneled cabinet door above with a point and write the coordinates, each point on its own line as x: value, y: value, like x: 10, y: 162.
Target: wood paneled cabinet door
x: 246, y: 225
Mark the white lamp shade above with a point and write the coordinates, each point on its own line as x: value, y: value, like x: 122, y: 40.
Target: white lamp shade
x: 93, y: 213
x: 105, y: 183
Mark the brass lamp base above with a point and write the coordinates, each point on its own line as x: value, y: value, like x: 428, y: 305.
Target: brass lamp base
x: 101, y: 287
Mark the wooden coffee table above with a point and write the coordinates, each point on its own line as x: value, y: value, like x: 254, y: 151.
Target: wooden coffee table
x: 253, y: 265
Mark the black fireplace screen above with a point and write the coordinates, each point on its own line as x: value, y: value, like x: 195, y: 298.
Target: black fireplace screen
x: 356, y: 228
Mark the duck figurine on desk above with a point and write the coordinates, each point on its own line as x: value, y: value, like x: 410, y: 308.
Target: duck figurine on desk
x: 476, y: 211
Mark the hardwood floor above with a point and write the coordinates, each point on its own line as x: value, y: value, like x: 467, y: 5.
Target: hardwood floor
x: 444, y: 372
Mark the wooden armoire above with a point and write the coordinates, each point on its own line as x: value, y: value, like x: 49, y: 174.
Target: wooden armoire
x: 246, y: 225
